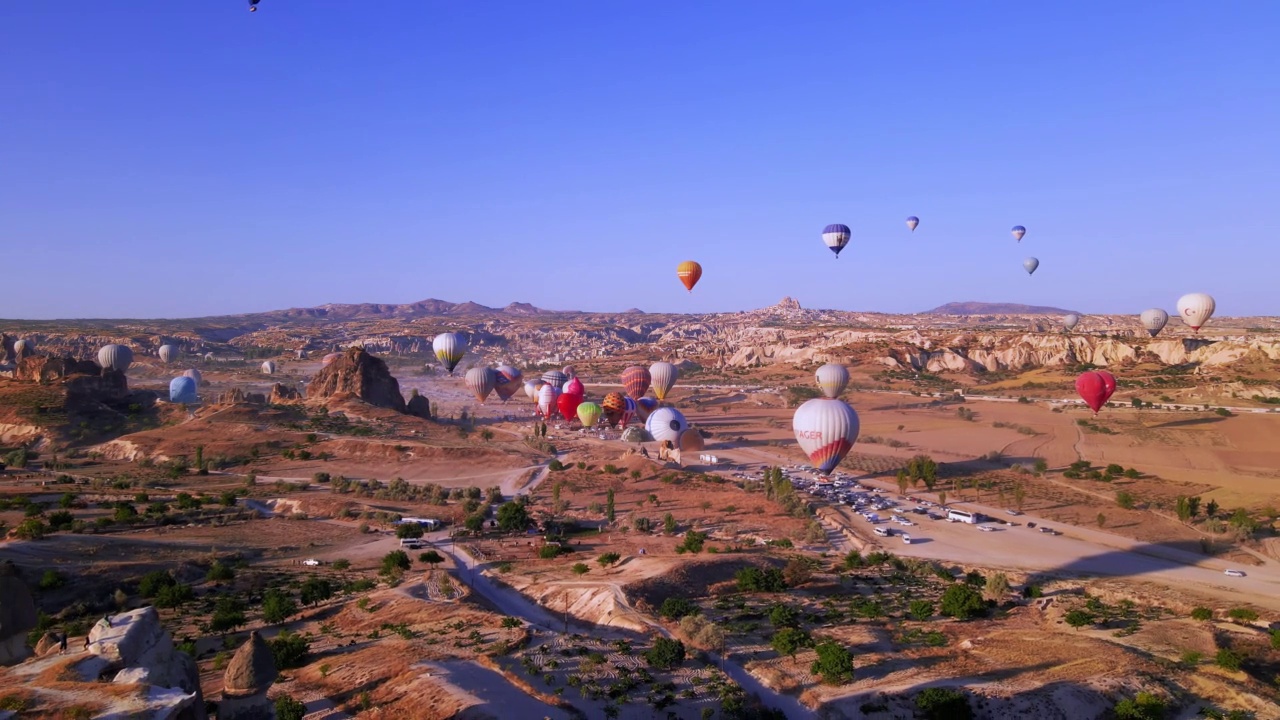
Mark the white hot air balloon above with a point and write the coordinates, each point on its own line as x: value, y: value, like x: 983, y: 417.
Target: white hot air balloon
x: 1069, y: 322
x: 1196, y: 309
x: 449, y: 348
x: 835, y: 237
x: 481, y: 381
x: 167, y: 353
x: 23, y: 347
x: 115, y: 357
x: 664, y: 376
x: 832, y: 379
x: 666, y: 424
x: 268, y: 368
x: 826, y: 429
x: 194, y: 374
x: 1153, y: 320
x: 531, y: 389
x: 1030, y: 265
x: 547, y: 397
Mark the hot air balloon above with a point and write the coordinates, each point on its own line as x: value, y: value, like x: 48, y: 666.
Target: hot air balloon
x: 481, y: 381
x: 1196, y: 309
x: 645, y: 407
x: 912, y: 222
x: 182, y: 389
x: 555, y: 377
x: 691, y: 441
x: 1070, y: 321
x: 664, y: 376
x: 167, y: 353
x: 589, y: 414
x: 629, y: 407
x: 574, y: 387
x: 208, y: 357
x: 115, y: 357
x: 531, y: 388
x: 613, y: 404
x: 268, y: 368
x: 195, y: 375
x: 636, y: 380
x: 1108, y: 382
x: 23, y: 348
x: 570, y: 371
x: 449, y: 349
x: 826, y: 429
x: 510, y: 380
x: 324, y: 361
x: 836, y: 237
x: 689, y: 272
x: 547, y: 396
x: 666, y: 424
x: 832, y: 379
x: 253, y: 5
x: 1154, y: 320
x: 1092, y: 388
x: 635, y: 435
x: 568, y: 405
x: 1030, y: 265
x: 1018, y: 231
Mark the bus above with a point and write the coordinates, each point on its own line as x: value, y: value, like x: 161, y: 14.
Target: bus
x: 963, y: 516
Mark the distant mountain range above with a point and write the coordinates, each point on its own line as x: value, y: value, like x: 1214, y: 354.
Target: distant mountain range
x: 982, y: 308
x: 422, y: 308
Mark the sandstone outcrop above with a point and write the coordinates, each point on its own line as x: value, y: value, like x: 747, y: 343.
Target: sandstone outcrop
x: 45, y: 369
x: 246, y: 681
x: 418, y: 405
x: 357, y: 374
x: 237, y: 396
x: 17, y: 615
x: 282, y: 394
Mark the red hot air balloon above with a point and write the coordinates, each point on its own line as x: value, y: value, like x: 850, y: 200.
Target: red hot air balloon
x: 568, y: 405
x: 1092, y: 388
x: 1109, y: 381
x: 575, y: 387
x: 636, y: 380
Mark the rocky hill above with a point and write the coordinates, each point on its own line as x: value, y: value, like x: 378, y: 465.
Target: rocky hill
x: 984, y: 308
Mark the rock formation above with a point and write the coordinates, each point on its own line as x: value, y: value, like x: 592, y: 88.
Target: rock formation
x: 17, y: 615
x: 45, y: 369
x: 282, y: 394
x: 236, y: 396
x: 418, y: 405
x: 245, y: 684
x: 357, y: 374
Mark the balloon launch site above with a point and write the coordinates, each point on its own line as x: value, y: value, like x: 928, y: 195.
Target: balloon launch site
x: 873, y: 498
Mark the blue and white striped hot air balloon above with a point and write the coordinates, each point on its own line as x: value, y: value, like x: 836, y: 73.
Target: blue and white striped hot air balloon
x: 182, y: 389
x: 836, y: 237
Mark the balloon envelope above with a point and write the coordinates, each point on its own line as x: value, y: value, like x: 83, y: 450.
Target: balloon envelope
x: 832, y: 379
x: 1092, y: 388
x: 1196, y: 309
x: 664, y: 376
x: 835, y: 237
x: 115, y: 357
x: 555, y: 377
x: 1108, y: 383
x: 568, y: 405
x: 589, y: 414
x: 449, y: 349
x: 570, y: 371
x: 613, y: 405
x: 481, y: 381
x: 23, y: 347
x: 531, y: 389
x: 510, y: 380
x: 547, y: 396
x: 574, y: 387
x: 194, y: 374
x: 182, y: 389
x: 1070, y: 321
x: 636, y: 380
x: 1030, y: 265
x: 1018, y: 231
x: 629, y: 410
x: 666, y: 424
x: 644, y: 407
x: 689, y: 272
x: 268, y: 368
x: 826, y: 429
x: 912, y: 222
x: 1154, y: 320
x: 168, y: 354
x: 691, y: 441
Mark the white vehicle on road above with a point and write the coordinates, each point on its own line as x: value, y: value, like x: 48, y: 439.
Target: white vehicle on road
x: 1013, y: 512
x: 986, y: 528
x: 906, y: 539
x: 1233, y: 573
x: 884, y: 531
x: 311, y: 562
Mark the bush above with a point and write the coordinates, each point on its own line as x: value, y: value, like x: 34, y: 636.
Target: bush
x: 219, y: 572
x: 920, y: 610
x: 549, y: 551
x: 1201, y: 613
x: 608, y: 559
x: 342, y: 564
x: 409, y: 531
x: 693, y: 542
x: 665, y: 654
x: 277, y: 606
x: 288, y: 708
x: 52, y: 580
x: 943, y: 704
x: 1144, y: 707
x: 580, y: 569
x: 228, y: 614
x: 674, y: 608
x: 394, y: 562
x: 172, y: 596
x: 1242, y: 614
x: 834, y: 663
x: 1229, y: 660
x: 289, y: 650
x: 784, y: 616
x: 753, y: 579
x: 790, y: 640
x: 962, y: 602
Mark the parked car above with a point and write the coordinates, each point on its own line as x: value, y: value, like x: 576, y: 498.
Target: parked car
x: 986, y: 528
x: 1013, y: 512
x: 1233, y: 573
x: 906, y: 539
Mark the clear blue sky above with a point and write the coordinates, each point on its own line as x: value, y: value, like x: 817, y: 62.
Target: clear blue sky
x: 162, y: 158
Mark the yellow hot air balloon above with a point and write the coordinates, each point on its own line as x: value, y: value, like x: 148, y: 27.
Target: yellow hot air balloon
x: 589, y: 414
x: 689, y: 272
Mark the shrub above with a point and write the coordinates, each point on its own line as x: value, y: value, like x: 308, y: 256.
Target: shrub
x: 172, y: 596
x: 580, y: 569
x: 288, y: 708
x: 1242, y: 614
x: 665, y: 654
x: 394, y: 562
x: 608, y: 559
x: 549, y: 551
x: 962, y: 602
x: 277, y: 606
x: 674, y: 608
x: 790, y: 640
x: 289, y: 649
x: 219, y: 572
x: 920, y: 610
x: 52, y: 580
x: 1229, y: 659
x: 753, y: 579
x: 1201, y: 613
x: 834, y: 663
x: 1144, y: 707
x: 1079, y: 618
x: 943, y: 704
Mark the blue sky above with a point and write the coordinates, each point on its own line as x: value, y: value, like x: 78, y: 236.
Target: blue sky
x: 169, y: 159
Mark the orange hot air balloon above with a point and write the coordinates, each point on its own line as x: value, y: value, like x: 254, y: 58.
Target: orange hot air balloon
x: 689, y: 272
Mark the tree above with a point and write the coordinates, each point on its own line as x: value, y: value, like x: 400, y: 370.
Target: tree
x: 287, y: 708
x: 277, y: 606
x: 608, y: 559
x: 1144, y: 707
x: 753, y: 579
x: 784, y: 616
x: 963, y: 602
x: 834, y: 663
x: 228, y: 614
x: 1019, y: 495
x: 789, y: 640
x: 668, y: 523
x: 316, y: 590
x: 153, y: 582
x: 219, y: 573
x: 943, y: 704
x: 1124, y: 499
x: 798, y: 571
x: 513, y: 517
x: 1201, y: 614
x: 997, y: 587
x: 432, y: 558
x: 1229, y: 659
x: 394, y: 562
x: 289, y: 649
x: 609, y: 513
x: 409, y: 531
x: 920, y: 610
x: 942, y: 497
x: 1211, y: 508
x: 580, y: 569
x: 1079, y: 618
x: 1102, y: 520
x: 665, y: 654
x: 902, y: 482
x: 674, y: 608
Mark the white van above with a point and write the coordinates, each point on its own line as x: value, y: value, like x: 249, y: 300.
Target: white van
x: 906, y: 539
x: 884, y: 531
